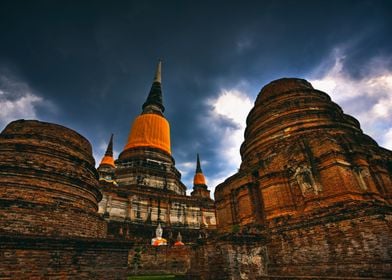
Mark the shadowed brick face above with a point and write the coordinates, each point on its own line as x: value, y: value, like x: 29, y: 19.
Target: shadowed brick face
x: 320, y: 187
x: 32, y: 257
x: 48, y: 182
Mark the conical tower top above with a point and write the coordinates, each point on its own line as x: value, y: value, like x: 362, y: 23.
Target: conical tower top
x: 199, y: 182
x: 109, y: 150
x: 158, y: 76
x: 151, y: 129
x: 154, y: 103
x: 198, y: 166
x: 108, y: 157
x: 199, y: 178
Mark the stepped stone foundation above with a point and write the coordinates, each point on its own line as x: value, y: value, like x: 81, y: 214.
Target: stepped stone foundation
x: 36, y: 257
x: 342, y: 241
x: 229, y: 257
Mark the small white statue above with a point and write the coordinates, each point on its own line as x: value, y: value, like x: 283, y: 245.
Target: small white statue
x: 179, y: 240
x: 158, y: 240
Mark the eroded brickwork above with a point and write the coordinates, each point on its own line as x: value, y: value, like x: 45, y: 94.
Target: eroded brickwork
x: 35, y: 257
x: 319, y: 186
x: 144, y: 259
x: 229, y: 257
x: 346, y: 240
x: 49, y: 185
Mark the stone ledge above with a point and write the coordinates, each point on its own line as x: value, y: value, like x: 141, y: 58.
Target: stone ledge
x: 61, y: 243
x: 280, y: 277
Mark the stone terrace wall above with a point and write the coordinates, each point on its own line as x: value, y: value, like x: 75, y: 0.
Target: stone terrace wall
x: 33, y: 257
x: 43, y: 219
x: 229, y: 257
x: 146, y: 259
x: 345, y: 241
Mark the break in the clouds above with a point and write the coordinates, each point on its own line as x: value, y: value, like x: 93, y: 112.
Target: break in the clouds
x: 17, y: 100
x: 368, y: 97
x: 227, y: 118
x: 95, y: 60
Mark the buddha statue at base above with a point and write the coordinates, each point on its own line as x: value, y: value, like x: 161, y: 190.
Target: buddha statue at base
x: 158, y: 240
x: 179, y: 240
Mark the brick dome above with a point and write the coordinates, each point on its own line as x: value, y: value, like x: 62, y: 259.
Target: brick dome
x: 291, y: 106
x: 282, y: 86
x: 49, y: 185
x: 301, y: 152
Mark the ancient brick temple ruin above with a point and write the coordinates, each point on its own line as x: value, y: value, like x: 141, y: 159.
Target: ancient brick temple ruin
x: 312, y: 199
x: 313, y: 184
x: 143, y: 188
x: 49, y: 225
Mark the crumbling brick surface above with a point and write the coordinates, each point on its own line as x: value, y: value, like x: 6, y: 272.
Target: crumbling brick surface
x: 37, y: 257
x: 48, y: 182
x: 315, y: 181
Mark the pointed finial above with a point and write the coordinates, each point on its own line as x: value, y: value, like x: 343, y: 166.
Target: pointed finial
x: 154, y: 100
x: 157, y: 77
x: 198, y: 166
x: 109, y: 150
x: 108, y: 157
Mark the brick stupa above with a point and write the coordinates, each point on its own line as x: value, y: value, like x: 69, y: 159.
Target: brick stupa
x: 314, y: 181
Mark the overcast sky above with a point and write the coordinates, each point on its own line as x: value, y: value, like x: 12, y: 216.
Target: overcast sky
x: 89, y: 65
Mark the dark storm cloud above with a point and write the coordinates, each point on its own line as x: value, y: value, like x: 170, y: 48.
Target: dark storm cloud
x: 94, y: 60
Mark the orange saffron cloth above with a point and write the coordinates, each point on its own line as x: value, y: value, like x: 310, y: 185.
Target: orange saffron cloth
x: 108, y: 160
x: 150, y: 130
x: 199, y: 179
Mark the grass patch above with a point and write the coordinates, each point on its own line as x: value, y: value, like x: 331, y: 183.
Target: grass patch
x: 152, y: 277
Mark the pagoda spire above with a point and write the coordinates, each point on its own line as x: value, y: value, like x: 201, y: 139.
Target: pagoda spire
x: 158, y: 76
x: 109, y: 149
x: 108, y: 157
x: 198, y: 166
x: 154, y: 101
x: 199, y: 182
x: 199, y: 178
x: 151, y: 129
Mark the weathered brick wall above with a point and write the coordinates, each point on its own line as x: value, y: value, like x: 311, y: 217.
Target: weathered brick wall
x: 34, y: 257
x: 48, y: 182
x: 315, y: 181
x: 346, y: 241
x: 301, y: 152
x: 229, y: 257
x: 48, y: 220
x: 146, y: 259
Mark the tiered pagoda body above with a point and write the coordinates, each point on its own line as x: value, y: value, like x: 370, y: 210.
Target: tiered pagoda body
x: 143, y: 187
x: 313, y: 182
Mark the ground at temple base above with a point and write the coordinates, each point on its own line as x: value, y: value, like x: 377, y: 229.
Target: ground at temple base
x: 155, y: 277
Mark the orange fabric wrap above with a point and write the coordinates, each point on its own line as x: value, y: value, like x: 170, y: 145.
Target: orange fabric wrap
x: 199, y: 179
x: 150, y: 130
x: 108, y: 160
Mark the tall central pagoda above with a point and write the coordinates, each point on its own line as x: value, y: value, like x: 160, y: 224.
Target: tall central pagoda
x: 146, y: 159
x: 143, y: 188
